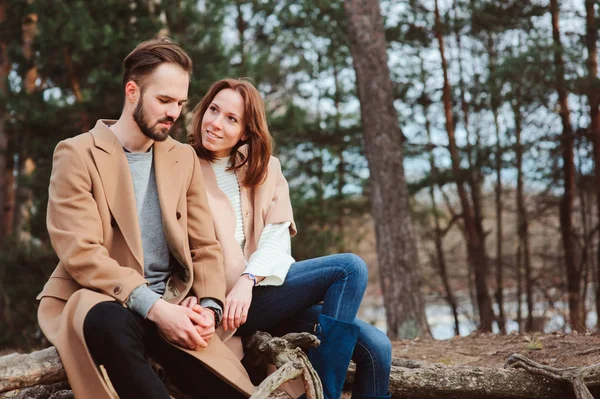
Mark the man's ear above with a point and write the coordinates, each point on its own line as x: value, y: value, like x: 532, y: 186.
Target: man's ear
x: 132, y: 91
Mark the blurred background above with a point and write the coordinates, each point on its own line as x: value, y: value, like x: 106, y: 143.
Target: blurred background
x: 497, y: 134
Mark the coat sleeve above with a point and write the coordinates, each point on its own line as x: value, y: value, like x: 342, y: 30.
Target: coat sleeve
x: 207, y: 257
x: 75, y: 228
x: 280, y: 208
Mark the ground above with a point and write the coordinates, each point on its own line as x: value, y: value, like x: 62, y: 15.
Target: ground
x: 491, y: 350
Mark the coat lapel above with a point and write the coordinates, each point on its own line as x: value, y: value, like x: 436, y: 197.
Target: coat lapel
x: 167, y: 169
x: 113, y: 168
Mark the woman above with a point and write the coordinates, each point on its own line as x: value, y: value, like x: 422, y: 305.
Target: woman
x: 266, y: 289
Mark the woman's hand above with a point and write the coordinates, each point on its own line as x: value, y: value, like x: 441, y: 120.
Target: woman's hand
x: 189, y: 302
x: 237, y: 304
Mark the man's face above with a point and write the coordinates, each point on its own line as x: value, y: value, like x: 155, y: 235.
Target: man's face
x: 161, y: 100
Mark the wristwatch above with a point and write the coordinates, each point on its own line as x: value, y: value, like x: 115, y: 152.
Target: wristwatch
x: 251, y: 277
x: 218, y: 314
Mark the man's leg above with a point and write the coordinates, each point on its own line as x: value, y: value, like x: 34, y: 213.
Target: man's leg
x: 115, y: 337
x: 188, y: 373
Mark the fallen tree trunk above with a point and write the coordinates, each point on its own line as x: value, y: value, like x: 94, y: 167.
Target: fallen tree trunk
x: 409, y: 379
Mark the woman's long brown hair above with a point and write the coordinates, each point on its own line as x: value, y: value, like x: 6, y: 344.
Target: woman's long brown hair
x: 258, y: 139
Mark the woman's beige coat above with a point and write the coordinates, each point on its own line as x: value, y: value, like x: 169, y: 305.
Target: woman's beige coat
x: 93, y: 226
x: 268, y: 203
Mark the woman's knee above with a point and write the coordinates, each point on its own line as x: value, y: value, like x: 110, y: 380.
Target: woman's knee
x: 354, y: 267
x: 373, y: 346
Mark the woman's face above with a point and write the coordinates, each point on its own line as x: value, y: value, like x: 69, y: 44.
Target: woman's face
x: 222, y: 124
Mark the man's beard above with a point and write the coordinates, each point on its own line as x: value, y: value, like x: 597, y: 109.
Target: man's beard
x: 155, y: 133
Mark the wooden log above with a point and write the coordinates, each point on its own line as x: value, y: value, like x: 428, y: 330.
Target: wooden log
x: 409, y: 379
x: 26, y: 370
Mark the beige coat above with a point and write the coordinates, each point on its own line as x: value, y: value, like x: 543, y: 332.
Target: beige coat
x: 265, y: 204
x: 94, y: 230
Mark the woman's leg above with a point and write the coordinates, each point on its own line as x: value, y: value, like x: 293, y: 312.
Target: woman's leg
x: 373, y: 358
x: 337, y: 280
x: 372, y: 353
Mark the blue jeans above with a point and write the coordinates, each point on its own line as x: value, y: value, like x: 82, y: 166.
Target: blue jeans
x: 339, y: 281
x: 372, y: 353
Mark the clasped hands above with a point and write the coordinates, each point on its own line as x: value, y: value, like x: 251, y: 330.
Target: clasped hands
x: 188, y: 324
x: 191, y: 326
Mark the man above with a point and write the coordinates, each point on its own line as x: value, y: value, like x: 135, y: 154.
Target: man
x: 129, y: 219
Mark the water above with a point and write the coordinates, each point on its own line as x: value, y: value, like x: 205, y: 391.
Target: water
x: 440, y: 319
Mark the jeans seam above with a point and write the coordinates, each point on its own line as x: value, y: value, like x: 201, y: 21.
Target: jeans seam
x: 374, y: 366
x: 341, y: 296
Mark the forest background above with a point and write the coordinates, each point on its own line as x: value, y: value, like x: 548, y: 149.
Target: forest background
x: 453, y: 144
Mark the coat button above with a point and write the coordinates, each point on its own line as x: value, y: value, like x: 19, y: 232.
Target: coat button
x: 113, y: 222
x: 246, y: 213
x: 178, y: 215
x: 117, y: 290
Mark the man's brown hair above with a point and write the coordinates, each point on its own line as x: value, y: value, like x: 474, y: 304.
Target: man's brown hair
x: 255, y: 127
x: 148, y: 55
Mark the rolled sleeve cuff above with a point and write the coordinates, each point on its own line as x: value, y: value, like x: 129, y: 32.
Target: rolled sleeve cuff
x: 215, y: 305
x: 142, y: 299
x: 273, y: 275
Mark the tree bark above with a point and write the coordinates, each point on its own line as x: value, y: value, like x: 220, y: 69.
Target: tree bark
x: 573, y: 273
x: 396, y: 245
x: 522, y: 222
x: 474, y: 177
x: 5, y: 158
x: 440, y: 258
x: 594, y: 132
x: 495, y: 104
x: 76, y: 88
x: 475, y: 241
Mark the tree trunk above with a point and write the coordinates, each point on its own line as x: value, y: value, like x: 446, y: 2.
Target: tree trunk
x: 585, y: 214
x: 566, y: 205
x: 440, y: 258
x: 475, y: 241
x: 594, y: 133
x: 241, y: 26
x: 522, y: 224
x: 6, y: 160
x: 396, y: 245
x: 474, y: 176
x: 439, y: 248
x: 76, y: 88
x: 339, y: 152
x: 494, y: 90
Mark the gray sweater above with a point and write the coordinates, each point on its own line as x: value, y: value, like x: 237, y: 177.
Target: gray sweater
x: 158, y: 261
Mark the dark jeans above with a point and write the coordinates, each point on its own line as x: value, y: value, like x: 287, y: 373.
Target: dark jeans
x: 339, y: 281
x: 120, y: 340
x: 372, y: 353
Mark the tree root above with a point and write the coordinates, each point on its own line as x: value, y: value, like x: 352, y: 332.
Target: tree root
x: 576, y: 376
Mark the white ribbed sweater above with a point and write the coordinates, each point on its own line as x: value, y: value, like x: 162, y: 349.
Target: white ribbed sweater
x: 272, y: 259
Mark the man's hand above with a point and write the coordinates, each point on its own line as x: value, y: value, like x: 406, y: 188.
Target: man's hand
x: 207, y: 329
x: 178, y: 324
x: 237, y: 304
